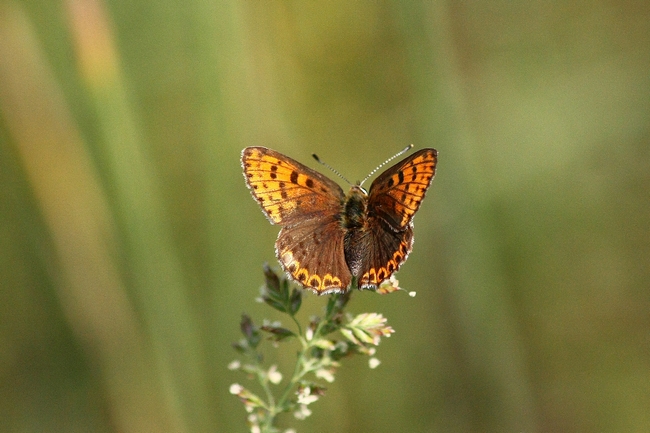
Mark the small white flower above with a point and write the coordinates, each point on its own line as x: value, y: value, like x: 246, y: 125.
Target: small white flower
x: 309, y: 334
x: 307, y: 399
x: 305, y: 396
x: 325, y: 374
x: 302, y: 413
x: 236, y: 388
x: 412, y: 294
x: 372, y: 351
x: 256, y: 429
x: 235, y: 365
x: 290, y: 431
x: 274, y: 375
x: 373, y: 362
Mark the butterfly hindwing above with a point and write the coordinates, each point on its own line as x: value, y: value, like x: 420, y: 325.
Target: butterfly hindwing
x: 377, y: 252
x: 396, y: 194
x: 311, y: 252
x: 287, y: 190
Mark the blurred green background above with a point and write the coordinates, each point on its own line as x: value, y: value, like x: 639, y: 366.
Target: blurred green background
x: 130, y: 246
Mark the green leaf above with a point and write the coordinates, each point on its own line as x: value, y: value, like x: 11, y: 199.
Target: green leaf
x: 275, y: 303
x: 295, y: 301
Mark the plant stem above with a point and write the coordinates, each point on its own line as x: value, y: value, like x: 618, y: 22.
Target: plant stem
x: 297, y: 324
x: 297, y: 371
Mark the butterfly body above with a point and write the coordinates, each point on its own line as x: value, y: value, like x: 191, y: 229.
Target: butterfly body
x: 354, y: 208
x: 327, y: 237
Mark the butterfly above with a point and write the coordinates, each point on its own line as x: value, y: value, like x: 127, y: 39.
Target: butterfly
x: 329, y: 239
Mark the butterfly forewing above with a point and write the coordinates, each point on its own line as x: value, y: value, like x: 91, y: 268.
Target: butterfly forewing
x: 287, y: 190
x: 396, y: 194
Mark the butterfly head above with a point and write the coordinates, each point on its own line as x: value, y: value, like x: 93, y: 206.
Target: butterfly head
x: 357, y: 190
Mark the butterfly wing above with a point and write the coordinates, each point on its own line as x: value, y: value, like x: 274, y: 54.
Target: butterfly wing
x: 393, y: 199
x: 311, y: 252
x: 378, y: 251
x: 287, y: 190
x: 307, y: 205
x: 396, y: 194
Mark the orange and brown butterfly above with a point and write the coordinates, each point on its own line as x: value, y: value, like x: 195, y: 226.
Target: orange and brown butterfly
x: 328, y: 237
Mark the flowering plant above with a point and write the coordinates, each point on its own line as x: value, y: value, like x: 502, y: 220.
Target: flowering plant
x: 323, y: 343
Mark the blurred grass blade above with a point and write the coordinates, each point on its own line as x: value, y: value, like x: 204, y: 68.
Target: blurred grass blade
x: 153, y: 260
x: 71, y: 200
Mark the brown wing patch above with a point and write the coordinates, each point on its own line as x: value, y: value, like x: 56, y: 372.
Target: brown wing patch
x: 384, y: 251
x: 380, y: 271
x: 311, y: 253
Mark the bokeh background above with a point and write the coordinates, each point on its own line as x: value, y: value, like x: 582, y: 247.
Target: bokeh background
x: 129, y: 245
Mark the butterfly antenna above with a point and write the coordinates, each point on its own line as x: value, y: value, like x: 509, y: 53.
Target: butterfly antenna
x: 401, y: 152
x: 330, y: 167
